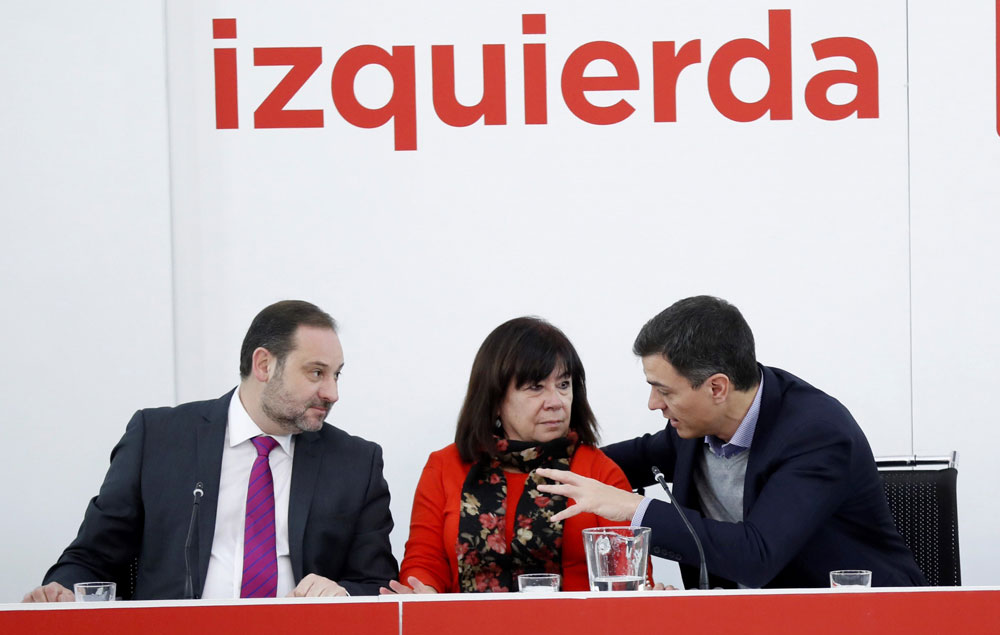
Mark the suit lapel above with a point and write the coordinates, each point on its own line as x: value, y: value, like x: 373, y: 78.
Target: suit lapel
x: 211, y: 438
x: 759, y: 448
x: 305, y: 470
x: 683, y: 473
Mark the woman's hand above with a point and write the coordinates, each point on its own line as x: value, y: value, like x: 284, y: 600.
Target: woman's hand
x: 416, y: 586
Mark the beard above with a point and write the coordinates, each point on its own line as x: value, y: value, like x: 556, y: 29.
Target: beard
x: 290, y: 416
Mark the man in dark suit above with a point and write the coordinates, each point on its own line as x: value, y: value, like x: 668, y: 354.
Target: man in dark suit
x: 775, y: 476
x: 291, y: 505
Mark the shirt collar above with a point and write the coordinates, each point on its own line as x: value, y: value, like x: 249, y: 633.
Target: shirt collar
x: 744, y: 433
x: 242, y: 428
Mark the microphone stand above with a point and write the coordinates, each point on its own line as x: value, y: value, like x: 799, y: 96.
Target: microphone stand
x: 188, y: 581
x: 703, y: 574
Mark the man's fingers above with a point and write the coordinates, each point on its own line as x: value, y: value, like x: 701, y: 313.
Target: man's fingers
x: 332, y: 590
x: 569, y: 512
x: 51, y: 592
x: 301, y: 590
x: 56, y: 592
x: 562, y: 490
x: 562, y: 476
x: 316, y: 586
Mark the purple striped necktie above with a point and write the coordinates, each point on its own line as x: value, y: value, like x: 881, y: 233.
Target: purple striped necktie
x: 260, y: 557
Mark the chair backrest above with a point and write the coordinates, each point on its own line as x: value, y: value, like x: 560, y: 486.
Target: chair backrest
x: 922, y: 497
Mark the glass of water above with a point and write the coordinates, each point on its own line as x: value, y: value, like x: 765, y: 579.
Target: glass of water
x: 538, y: 582
x: 95, y: 591
x: 617, y: 557
x: 850, y: 579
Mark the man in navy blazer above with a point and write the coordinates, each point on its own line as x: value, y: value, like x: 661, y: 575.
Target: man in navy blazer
x: 775, y: 476
x: 331, y: 502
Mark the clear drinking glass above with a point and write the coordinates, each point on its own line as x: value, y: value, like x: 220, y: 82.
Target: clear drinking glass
x: 95, y: 591
x: 850, y: 578
x: 538, y: 582
x: 617, y: 557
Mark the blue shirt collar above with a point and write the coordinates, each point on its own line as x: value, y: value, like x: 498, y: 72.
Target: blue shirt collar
x: 744, y: 433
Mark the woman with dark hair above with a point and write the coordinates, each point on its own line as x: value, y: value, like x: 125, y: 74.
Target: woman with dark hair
x: 478, y: 518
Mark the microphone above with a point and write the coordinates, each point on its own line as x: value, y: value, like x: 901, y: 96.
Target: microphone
x: 703, y: 574
x: 188, y: 580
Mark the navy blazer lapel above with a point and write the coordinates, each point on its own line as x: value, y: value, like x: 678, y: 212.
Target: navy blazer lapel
x: 211, y: 437
x: 759, y: 458
x: 684, y: 471
x: 305, y: 470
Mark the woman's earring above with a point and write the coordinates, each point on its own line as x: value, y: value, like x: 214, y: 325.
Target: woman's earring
x: 498, y: 423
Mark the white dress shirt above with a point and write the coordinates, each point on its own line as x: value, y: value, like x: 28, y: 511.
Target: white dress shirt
x: 225, y: 567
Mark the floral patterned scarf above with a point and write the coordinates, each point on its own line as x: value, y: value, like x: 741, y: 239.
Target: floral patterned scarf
x: 484, y: 564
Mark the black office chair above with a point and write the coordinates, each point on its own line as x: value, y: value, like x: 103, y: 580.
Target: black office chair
x: 922, y: 496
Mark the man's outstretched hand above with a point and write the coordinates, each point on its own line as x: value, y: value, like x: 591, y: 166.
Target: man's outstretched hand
x: 590, y: 495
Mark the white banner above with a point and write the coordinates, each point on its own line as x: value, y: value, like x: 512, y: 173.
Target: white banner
x: 427, y: 171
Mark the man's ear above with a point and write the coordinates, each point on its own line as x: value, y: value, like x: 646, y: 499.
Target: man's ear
x: 262, y: 364
x: 720, y: 386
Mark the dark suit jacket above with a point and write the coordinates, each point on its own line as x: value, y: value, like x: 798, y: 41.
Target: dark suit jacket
x: 812, y: 500
x: 338, y: 508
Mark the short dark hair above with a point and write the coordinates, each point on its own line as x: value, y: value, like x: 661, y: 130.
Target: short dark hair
x: 274, y: 329
x: 523, y: 350
x: 702, y: 336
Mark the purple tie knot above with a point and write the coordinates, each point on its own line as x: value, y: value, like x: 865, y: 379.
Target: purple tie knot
x: 264, y: 445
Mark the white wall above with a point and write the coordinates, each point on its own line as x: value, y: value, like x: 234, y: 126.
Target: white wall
x: 818, y: 230
x: 84, y: 259
x: 955, y: 158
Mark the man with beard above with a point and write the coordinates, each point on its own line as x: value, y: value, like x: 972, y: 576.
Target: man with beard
x: 289, y: 505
